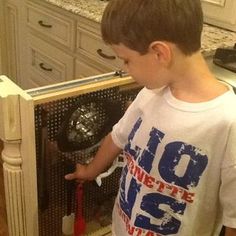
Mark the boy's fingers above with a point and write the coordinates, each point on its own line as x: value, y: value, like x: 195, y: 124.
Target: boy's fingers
x: 74, y: 175
x: 70, y: 176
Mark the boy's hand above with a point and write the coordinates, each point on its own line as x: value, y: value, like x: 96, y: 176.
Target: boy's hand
x: 105, y: 156
x: 230, y: 231
x: 81, y: 174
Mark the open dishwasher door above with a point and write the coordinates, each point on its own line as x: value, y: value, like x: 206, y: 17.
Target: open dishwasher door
x: 34, y: 166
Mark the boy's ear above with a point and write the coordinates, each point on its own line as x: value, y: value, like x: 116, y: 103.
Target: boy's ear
x: 162, y: 51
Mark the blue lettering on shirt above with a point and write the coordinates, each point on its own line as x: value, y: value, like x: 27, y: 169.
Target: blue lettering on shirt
x: 162, y: 210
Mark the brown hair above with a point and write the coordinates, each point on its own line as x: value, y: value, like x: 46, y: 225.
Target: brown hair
x: 137, y: 23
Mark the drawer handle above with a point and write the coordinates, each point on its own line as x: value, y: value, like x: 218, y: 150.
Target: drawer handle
x: 42, y: 66
x: 100, y: 53
x: 44, y: 25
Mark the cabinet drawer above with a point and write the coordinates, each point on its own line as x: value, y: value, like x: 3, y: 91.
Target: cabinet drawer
x: 49, y: 62
x: 92, y: 46
x: 53, y: 25
x: 34, y: 81
x: 85, y: 69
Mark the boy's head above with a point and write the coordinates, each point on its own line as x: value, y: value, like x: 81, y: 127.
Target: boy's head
x: 138, y: 23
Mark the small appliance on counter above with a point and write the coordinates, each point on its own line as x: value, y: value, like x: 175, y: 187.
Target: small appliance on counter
x: 226, y: 58
x: 223, y: 65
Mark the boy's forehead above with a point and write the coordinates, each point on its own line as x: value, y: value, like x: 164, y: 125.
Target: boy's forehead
x: 118, y: 47
x: 118, y: 50
x: 121, y: 50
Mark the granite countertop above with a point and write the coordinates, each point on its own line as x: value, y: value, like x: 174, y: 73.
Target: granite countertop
x: 212, y: 37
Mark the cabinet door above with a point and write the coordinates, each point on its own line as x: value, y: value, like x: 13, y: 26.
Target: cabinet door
x: 47, y: 64
x: 220, y: 13
x: 51, y: 24
x: 92, y: 45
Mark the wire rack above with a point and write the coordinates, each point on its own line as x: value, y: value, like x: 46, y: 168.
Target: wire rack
x: 52, y: 193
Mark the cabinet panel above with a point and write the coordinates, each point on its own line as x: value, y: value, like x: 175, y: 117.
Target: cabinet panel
x: 53, y: 25
x: 34, y: 81
x: 48, y: 64
x: 84, y: 69
x: 220, y: 13
x: 13, y: 48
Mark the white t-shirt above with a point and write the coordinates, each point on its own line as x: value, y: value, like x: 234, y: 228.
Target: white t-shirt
x: 180, y: 177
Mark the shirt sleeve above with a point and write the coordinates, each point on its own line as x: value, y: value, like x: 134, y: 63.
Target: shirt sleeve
x: 228, y: 181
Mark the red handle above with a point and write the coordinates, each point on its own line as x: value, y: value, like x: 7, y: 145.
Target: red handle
x: 80, y: 224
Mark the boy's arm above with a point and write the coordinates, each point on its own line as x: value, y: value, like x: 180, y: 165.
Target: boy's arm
x: 106, y: 154
x: 230, y: 231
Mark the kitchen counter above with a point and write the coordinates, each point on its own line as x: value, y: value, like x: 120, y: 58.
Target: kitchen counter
x: 212, y: 37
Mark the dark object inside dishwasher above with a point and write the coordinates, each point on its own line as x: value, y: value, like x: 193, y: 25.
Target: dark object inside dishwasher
x: 226, y: 58
x: 87, y: 122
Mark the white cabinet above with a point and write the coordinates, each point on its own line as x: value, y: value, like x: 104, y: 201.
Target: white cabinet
x: 15, y: 40
x: 51, y: 41
x: 47, y: 64
x: 44, y: 44
x: 90, y: 44
x: 51, y: 24
x: 84, y: 68
x: 220, y: 13
x: 63, y: 46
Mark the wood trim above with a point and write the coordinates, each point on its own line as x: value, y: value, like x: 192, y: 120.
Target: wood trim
x: 75, y: 91
x: 19, y: 159
x: 1, y: 148
x: 13, y: 41
x: 29, y: 172
x: 14, y: 190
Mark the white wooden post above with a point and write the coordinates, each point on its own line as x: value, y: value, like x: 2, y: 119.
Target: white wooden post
x: 16, y: 110
x: 12, y: 161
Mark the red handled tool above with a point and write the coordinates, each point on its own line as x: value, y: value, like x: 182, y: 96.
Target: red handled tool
x: 80, y: 225
x: 69, y: 219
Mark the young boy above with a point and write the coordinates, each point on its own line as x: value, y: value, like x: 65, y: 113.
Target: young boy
x: 178, y: 135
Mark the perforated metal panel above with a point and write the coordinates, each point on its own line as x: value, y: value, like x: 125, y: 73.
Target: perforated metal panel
x: 51, y: 164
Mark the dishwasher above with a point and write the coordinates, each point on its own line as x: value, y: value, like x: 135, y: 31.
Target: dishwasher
x: 46, y: 131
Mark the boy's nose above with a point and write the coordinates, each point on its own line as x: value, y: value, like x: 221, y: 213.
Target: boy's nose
x: 125, y: 69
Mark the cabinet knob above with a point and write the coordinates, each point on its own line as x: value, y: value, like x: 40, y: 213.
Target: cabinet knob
x: 42, y: 66
x: 100, y: 53
x: 44, y: 25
